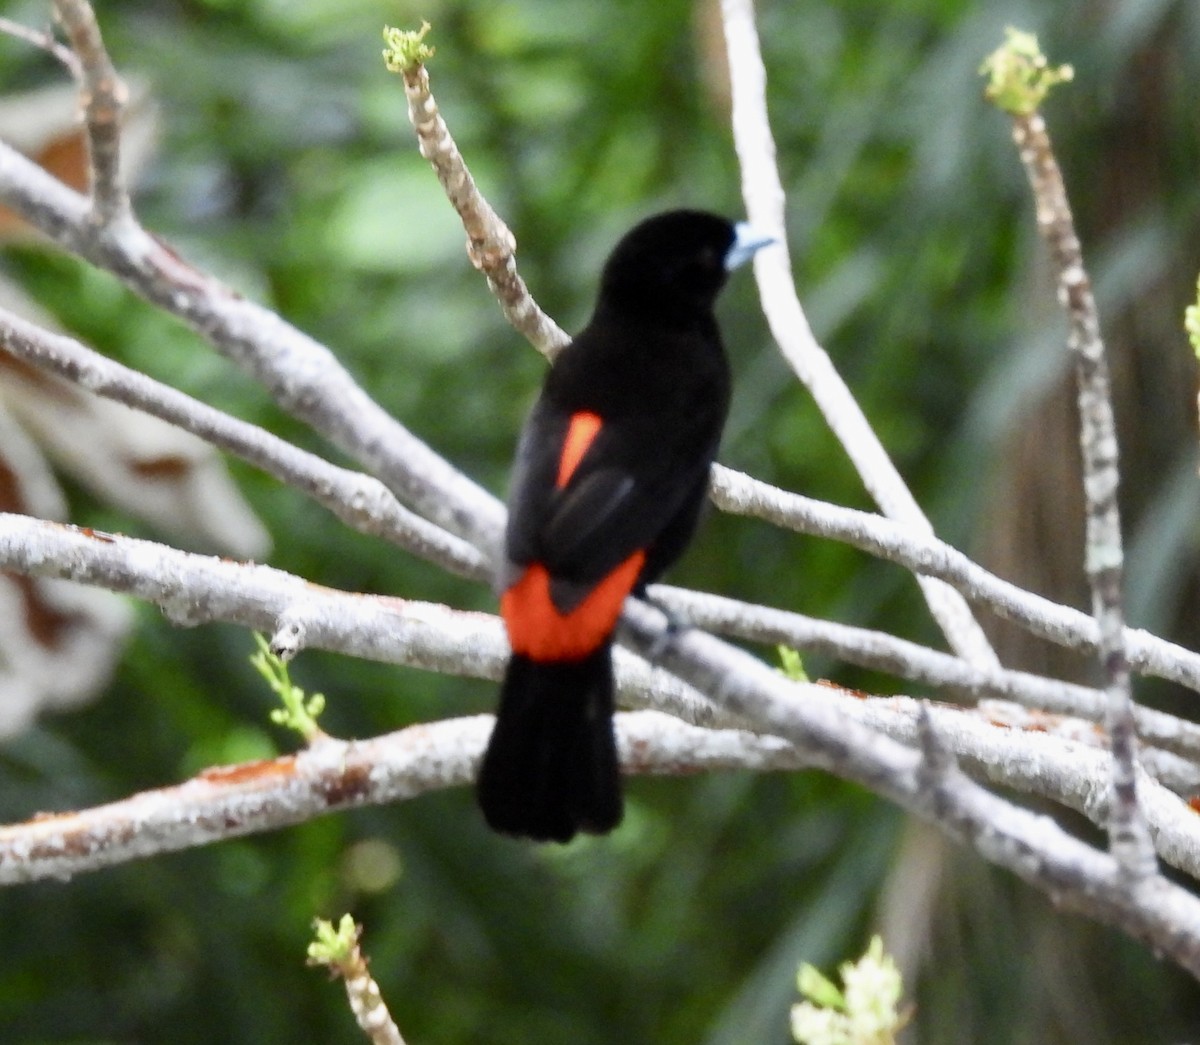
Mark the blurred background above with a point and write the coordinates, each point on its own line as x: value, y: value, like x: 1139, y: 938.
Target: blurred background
x: 278, y: 155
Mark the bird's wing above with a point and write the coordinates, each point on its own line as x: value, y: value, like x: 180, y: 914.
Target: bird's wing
x: 630, y: 483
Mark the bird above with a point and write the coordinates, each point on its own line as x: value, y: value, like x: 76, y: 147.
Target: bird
x: 607, y: 486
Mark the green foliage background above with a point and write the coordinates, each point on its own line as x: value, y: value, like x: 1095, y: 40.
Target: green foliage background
x: 287, y: 166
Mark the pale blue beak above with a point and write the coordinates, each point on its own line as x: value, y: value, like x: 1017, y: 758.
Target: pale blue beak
x: 746, y: 242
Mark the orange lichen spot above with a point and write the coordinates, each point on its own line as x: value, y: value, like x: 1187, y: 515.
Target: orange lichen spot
x: 830, y: 684
x: 249, y: 772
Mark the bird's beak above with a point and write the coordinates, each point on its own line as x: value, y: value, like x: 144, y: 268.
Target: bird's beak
x: 746, y: 241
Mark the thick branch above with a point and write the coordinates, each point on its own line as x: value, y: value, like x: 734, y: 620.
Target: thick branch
x: 233, y: 801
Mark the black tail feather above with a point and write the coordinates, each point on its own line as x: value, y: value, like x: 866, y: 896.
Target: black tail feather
x: 551, y: 768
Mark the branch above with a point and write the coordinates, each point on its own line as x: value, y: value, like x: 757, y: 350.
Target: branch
x: 44, y: 40
x: 1153, y: 910
x: 332, y: 775
x: 882, y: 652
x: 359, y: 501
x: 300, y: 374
x: 1020, y: 60
x: 743, y: 495
x: 196, y: 589
x: 491, y: 246
x: 340, y: 951
x: 104, y: 97
x: 763, y: 194
x: 329, y: 776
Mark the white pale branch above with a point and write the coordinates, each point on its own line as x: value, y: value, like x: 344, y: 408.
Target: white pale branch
x: 330, y: 775
x: 743, y: 495
x: 827, y: 736
x: 929, y: 784
x: 303, y: 376
x: 194, y: 589
x: 367, y: 505
x: 763, y: 194
x: 360, y: 501
x: 233, y: 801
x: 883, y: 652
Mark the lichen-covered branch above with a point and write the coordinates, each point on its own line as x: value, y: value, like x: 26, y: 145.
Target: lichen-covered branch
x: 1020, y: 92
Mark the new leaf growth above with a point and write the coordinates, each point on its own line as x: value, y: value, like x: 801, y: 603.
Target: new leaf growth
x: 405, y: 48
x: 1019, y: 77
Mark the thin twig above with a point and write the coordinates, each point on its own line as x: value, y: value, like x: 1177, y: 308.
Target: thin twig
x: 491, y: 246
x: 104, y: 99
x: 1020, y: 78
x: 763, y: 194
x: 340, y: 951
x: 44, y: 39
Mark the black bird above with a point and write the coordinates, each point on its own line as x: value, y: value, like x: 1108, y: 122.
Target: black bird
x: 610, y: 476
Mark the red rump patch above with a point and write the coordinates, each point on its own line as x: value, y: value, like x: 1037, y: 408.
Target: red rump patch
x: 582, y: 429
x: 537, y: 630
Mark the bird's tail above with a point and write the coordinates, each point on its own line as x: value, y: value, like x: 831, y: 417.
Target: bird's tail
x: 550, y: 768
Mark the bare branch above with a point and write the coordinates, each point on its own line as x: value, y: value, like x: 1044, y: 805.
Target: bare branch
x: 491, y: 246
x: 1038, y: 850
x: 195, y: 589
x: 329, y: 776
x: 743, y: 495
x: 1023, y: 61
x: 358, y: 500
x: 332, y: 775
x: 43, y: 39
x: 1098, y: 438
x: 882, y: 652
x: 104, y: 98
x: 303, y: 376
x: 763, y: 194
